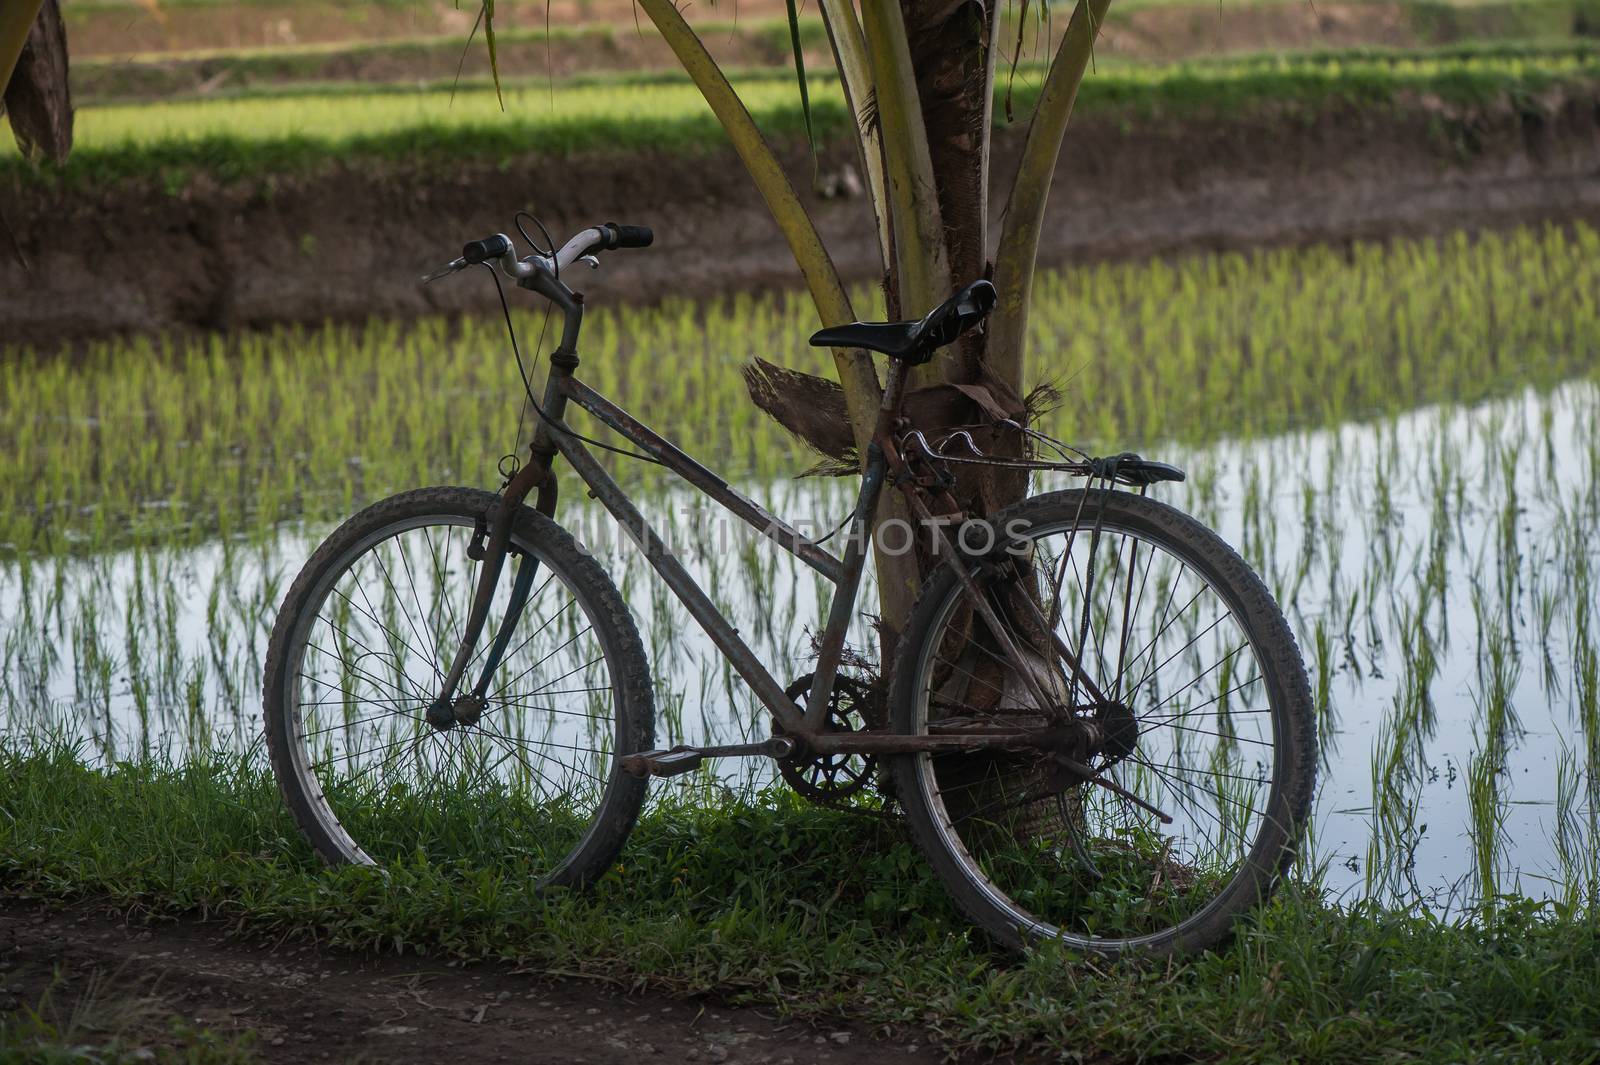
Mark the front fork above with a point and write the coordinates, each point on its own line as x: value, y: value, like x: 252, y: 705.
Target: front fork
x: 491, y: 543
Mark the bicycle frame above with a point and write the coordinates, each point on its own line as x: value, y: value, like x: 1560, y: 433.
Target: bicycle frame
x: 843, y: 572
x: 553, y: 438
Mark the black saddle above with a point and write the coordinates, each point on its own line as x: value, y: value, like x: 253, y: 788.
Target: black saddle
x: 915, y: 342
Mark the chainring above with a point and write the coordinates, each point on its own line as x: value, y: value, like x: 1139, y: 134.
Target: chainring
x: 829, y: 779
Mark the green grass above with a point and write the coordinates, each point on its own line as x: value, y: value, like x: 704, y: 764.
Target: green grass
x: 761, y: 900
x: 250, y: 136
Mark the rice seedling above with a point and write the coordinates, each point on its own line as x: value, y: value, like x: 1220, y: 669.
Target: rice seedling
x: 1576, y: 882
x: 1486, y: 808
x: 194, y: 436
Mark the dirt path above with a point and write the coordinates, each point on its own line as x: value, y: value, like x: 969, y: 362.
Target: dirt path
x: 307, y: 1004
x: 137, y: 29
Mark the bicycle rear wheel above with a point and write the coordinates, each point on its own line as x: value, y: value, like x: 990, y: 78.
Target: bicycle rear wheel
x: 1189, y: 700
x: 361, y: 645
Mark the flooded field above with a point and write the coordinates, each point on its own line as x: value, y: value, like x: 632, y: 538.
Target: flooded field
x: 1421, y: 491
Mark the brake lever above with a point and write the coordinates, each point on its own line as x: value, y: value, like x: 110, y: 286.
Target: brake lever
x: 446, y: 270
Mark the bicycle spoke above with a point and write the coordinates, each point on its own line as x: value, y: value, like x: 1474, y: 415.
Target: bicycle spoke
x: 347, y: 725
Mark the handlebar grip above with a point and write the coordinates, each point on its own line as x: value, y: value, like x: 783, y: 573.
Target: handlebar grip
x: 481, y: 251
x: 618, y: 236
x: 635, y: 237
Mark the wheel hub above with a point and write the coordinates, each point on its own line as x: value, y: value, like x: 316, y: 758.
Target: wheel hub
x: 465, y: 710
x: 440, y: 714
x: 1119, y: 732
x: 1092, y: 743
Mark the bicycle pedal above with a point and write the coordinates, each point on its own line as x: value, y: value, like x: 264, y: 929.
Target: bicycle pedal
x: 668, y: 763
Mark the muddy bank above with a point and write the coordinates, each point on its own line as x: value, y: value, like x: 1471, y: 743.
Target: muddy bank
x: 594, y: 51
x: 350, y: 244
x: 133, y: 28
x: 1160, y: 31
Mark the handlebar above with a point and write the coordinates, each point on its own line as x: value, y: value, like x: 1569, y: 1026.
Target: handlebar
x: 604, y: 237
x: 627, y: 236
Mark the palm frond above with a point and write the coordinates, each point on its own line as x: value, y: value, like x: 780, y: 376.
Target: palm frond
x: 800, y: 74
x: 486, y: 16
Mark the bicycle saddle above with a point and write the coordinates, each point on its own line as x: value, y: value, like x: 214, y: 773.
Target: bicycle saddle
x: 914, y: 342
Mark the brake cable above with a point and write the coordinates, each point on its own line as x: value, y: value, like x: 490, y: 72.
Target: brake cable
x: 527, y: 386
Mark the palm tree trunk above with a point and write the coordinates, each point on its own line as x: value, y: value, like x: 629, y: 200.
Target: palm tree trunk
x: 953, y: 51
x: 1019, y: 233
x: 952, y: 54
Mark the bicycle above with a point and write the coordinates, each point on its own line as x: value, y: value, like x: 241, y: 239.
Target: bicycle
x: 1074, y: 766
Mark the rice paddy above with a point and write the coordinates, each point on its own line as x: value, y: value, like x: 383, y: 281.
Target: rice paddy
x: 1404, y: 439
x: 247, y: 135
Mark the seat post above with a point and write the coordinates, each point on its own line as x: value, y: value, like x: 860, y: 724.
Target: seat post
x: 893, y: 387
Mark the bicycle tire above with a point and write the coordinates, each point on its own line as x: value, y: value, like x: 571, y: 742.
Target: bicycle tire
x: 951, y: 845
x: 623, y: 705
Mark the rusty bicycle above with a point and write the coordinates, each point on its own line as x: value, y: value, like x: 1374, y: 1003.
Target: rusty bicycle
x: 1096, y: 720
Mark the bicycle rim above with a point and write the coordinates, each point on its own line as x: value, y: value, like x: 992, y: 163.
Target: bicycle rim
x: 530, y: 782
x: 1185, y: 668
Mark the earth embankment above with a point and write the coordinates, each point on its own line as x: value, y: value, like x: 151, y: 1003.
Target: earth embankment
x: 350, y: 241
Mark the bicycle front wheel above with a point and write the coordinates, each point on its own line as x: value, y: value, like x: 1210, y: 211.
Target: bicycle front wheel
x: 361, y: 646
x: 1180, y: 771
